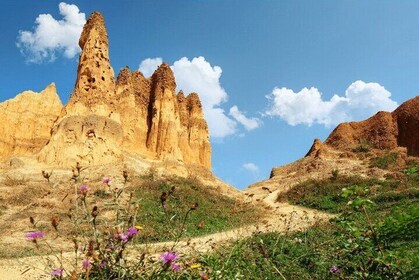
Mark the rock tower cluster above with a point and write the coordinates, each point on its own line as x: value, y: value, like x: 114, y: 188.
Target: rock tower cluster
x: 106, y: 119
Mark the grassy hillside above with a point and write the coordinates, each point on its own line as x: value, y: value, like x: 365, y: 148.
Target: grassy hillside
x: 164, y: 209
x: 214, y: 212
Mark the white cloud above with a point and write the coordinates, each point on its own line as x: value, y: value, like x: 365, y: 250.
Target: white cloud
x: 149, y: 65
x: 250, y: 166
x: 51, y: 37
x: 197, y: 75
x: 219, y: 124
x: 249, y: 124
x: 361, y: 100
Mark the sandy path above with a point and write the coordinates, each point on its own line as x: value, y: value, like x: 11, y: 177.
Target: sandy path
x: 282, y: 218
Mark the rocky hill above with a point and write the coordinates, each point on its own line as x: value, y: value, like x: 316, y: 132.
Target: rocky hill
x: 382, y: 131
x: 106, y: 119
x: 351, y: 149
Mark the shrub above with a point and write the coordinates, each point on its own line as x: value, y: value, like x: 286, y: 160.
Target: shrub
x: 363, y: 147
x: 335, y: 174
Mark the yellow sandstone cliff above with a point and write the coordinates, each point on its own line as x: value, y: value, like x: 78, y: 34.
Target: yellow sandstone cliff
x: 26, y: 121
x: 106, y: 119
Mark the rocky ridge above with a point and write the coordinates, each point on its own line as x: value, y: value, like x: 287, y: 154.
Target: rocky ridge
x: 106, y: 120
x: 383, y: 131
x: 349, y: 149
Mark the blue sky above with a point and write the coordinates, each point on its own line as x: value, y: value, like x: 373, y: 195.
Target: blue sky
x: 274, y: 74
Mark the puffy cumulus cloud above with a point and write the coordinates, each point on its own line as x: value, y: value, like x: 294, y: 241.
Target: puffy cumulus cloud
x: 248, y: 123
x: 250, y: 166
x: 51, y: 37
x: 219, y: 124
x: 198, y: 75
x: 149, y: 65
x: 361, y: 100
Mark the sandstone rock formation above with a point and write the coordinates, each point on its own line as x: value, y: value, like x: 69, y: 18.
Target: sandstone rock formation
x: 407, y: 118
x: 315, y: 148
x: 26, y: 121
x: 383, y: 131
x: 379, y: 131
x: 194, y: 140
x: 90, y: 140
x: 95, y: 83
x: 106, y: 120
x: 133, y: 97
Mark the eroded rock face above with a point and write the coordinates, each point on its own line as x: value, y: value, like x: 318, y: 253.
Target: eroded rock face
x: 194, y: 138
x: 379, y: 131
x: 315, y: 148
x: 384, y: 130
x: 145, y: 115
x: 159, y: 123
x: 407, y: 117
x: 133, y: 97
x: 163, y: 118
x: 26, y: 121
x: 90, y: 140
x: 95, y: 83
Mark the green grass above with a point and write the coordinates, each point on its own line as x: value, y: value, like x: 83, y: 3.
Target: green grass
x: 326, y: 195
x: 270, y: 255
x: 215, y: 212
x: 306, y: 255
x: 385, y: 161
x: 347, y: 241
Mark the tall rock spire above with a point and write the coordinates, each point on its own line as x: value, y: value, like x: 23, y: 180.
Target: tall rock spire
x: 163, y: 115
x: 95, y: 76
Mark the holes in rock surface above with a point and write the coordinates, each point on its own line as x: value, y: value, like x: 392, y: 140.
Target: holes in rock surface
x: 91, y: 133
x: 103, y: 78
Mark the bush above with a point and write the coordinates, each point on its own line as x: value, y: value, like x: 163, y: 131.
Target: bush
x: 363, y: 147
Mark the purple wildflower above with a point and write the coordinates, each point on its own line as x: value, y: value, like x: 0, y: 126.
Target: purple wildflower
x: 57, y: 272
x: 334, y: 269
x: 86, y: 264
x: 35, y: 235
x: 122, y: 236
x: 106, y: 180
x: 175, y: 267
x: 203, y: 275
x: 84, y: 189
x: 168, y: 257
x: 102, y: 264
x: 132, y: 231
